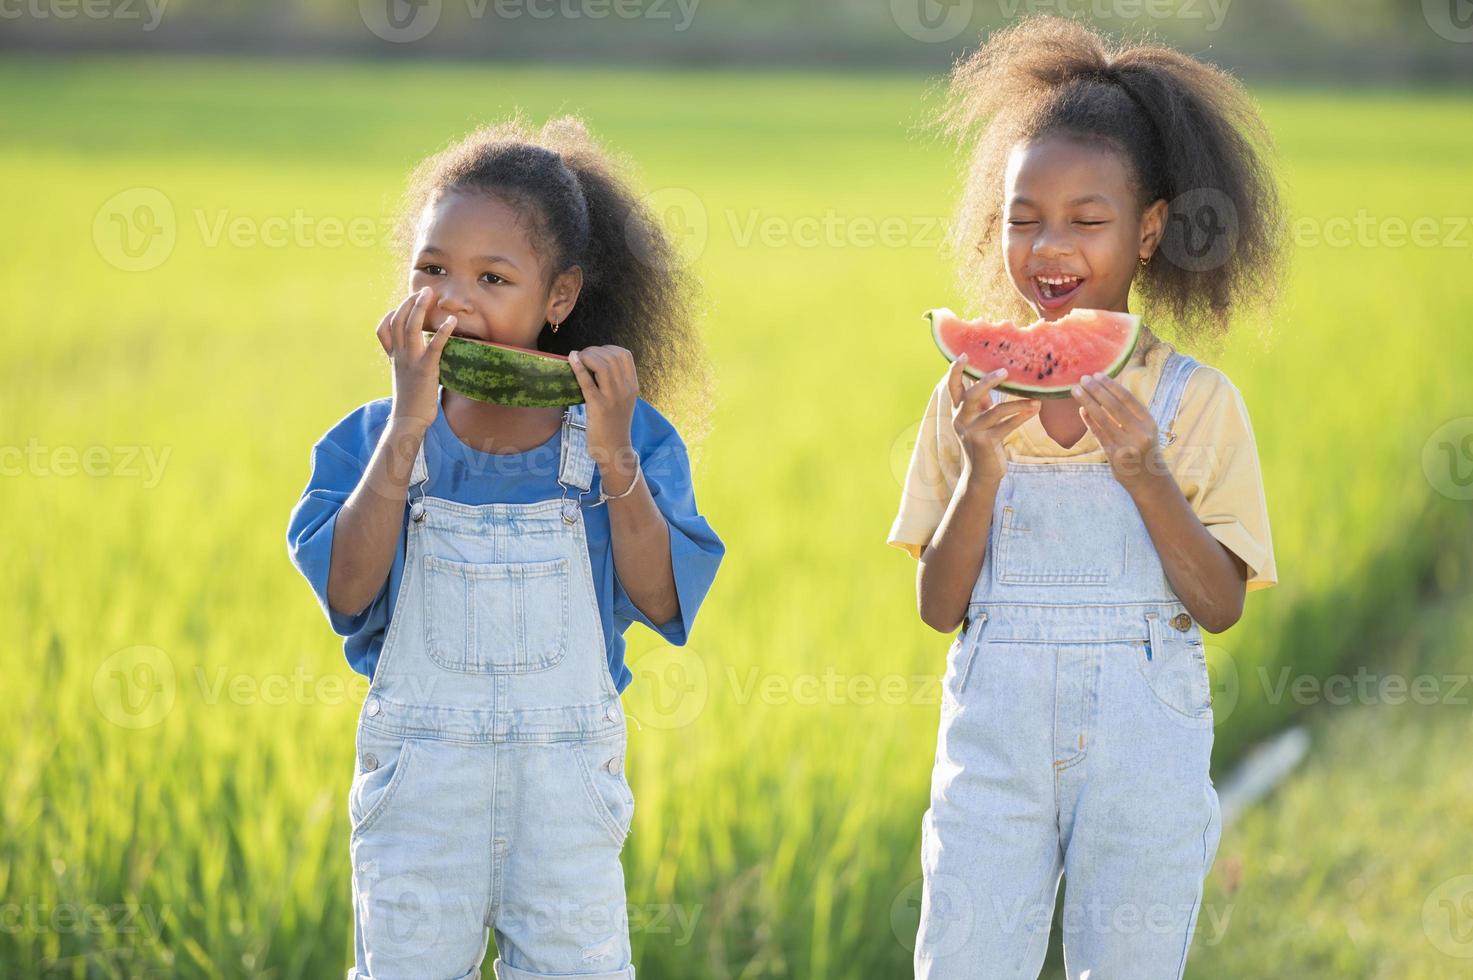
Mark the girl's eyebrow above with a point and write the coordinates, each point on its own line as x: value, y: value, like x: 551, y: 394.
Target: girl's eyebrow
x: 488, y: 259
x: 1086, y: 199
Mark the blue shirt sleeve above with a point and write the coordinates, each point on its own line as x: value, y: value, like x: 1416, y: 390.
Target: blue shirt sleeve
x: 339, y: 460
x: 695, y: 550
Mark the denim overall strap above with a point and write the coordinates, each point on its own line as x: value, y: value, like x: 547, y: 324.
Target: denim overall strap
x: 1173, y: 382
x: 575, y: 467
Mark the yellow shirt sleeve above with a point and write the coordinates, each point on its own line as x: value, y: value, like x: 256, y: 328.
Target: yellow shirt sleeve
x: 935, y: 467
x: 1215, y: 461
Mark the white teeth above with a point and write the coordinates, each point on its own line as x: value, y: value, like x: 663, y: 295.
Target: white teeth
x: 1058, y: 280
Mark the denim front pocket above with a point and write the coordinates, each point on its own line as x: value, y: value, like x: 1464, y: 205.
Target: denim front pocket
x: 1174, y: 666
x: 1045, y: 541
x: 601, y: 766
x: 496, y: 617
x: 384, y: 761
x: 961, y: 657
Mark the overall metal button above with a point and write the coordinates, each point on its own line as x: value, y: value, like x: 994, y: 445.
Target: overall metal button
x: 612, y: 714
x: 613, y: 765
x: 1181, y: 621
x: 373, y: 707
x: 370, y: 762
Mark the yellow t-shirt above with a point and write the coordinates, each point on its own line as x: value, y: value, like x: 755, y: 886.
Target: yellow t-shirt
x: 1213, y: 458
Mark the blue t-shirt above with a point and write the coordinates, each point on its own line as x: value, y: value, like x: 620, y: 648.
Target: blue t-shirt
x: 466, y: 475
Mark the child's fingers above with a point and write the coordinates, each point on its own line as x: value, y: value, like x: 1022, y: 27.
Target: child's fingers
x: 1006, y: 428
x: 434, y: 345
x: 1102, y: 428
x: 415, y: 326
x: 1120, y: 403
x: 584, y: 376
x: 978, y: 396
x: 621, y: 362
x: 1091, y: 401
x: 607, y: 364
x: 955, y: 385
x: 401, y: 316
x: 1011, y: 413
x: 596, y: 363
x: 385, y: 333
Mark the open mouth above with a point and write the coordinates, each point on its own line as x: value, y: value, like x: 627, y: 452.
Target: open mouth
x: 1055, y: 291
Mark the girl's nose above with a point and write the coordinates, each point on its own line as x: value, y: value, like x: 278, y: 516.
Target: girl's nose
x: 1051, y: 245
x: 451, y: 302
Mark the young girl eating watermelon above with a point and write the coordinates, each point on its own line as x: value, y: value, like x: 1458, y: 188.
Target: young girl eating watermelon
x: 484, y: 560
x: 1082, y: 543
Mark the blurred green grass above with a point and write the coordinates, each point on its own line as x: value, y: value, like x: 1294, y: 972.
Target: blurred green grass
x: 1360, y: 865
x: 782, y: 759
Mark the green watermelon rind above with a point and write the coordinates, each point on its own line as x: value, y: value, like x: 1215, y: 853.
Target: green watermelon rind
x: 503, y: 374
x: 1027, y: 390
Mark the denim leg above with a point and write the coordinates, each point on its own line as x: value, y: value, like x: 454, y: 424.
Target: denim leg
x: 1141, y: 834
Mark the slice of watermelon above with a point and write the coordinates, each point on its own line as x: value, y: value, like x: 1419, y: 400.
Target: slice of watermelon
x: 507, y: 375
x: 1047, y: 357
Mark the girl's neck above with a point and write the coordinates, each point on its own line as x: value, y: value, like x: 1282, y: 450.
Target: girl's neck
x: 500, y: 429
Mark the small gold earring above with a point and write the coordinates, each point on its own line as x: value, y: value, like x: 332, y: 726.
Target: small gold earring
x: 554, y: 328
x: 1145, y: 261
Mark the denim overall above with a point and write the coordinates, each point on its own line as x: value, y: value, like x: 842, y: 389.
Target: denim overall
x: 1075, y: 737
x: 490, y: 790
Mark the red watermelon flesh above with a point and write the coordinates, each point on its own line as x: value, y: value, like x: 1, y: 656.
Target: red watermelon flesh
x: 1047, y: 357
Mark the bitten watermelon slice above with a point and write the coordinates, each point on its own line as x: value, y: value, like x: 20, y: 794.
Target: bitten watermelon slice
x: 1047, y: 357
x: 507, y: 375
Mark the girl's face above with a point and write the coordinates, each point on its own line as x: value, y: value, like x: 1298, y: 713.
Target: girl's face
x: 1073, y: 232
x: 474, y: 252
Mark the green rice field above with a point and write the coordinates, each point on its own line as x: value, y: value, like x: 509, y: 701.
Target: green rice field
x: 195, y: 266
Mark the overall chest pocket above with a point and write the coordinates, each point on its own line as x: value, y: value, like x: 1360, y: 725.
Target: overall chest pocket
x: 496, y: 617
x: 1080, y: 539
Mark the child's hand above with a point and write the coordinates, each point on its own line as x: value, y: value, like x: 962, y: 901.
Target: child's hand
x: 1123, y: 426
x: 416, y: 360
x: 607, y: 376
x: 982, y: 431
